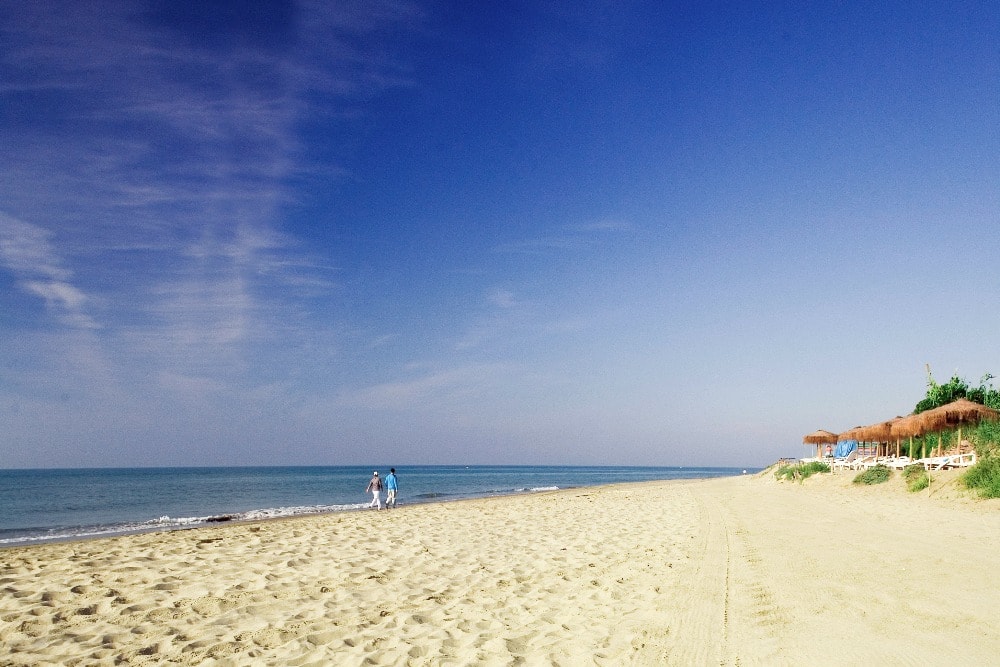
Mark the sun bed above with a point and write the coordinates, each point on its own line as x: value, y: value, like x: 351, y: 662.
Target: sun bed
x: 963, y: 460
x: 864, y: 463
x: 899, y: 462
x: 845, y: 462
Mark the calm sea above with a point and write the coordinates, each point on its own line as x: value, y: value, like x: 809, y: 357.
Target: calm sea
x: 48, y: 505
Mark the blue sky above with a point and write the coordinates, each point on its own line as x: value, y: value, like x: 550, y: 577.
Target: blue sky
x: 641, y: 233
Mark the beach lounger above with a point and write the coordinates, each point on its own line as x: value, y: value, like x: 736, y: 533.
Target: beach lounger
x: 899, y: 462
x: 845, y: 462
x: 963, y: 460
x: 864, y: 463
x: 951, y: 461
x: 933, y: 462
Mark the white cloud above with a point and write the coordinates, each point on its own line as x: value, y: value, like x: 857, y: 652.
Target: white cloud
x: 56, y: 294
x: 156, y: 172
x: 165, y: 165
x: 607, y: 225
x: 574, y: 237
x: 436, y: 389
x: 503, y: 298
x: 26, y: 251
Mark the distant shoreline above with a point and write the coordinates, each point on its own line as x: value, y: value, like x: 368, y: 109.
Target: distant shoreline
x: 110, y: 502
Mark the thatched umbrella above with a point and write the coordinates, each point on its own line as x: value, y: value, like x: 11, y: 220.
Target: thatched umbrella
x: 851, y: 434
x: 907, y: 427
x: 881, y: 433
x: 872, y: 433
x: 820, y: 438
x: 956, y: 413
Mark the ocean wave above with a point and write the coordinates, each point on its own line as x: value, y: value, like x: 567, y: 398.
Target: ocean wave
x: 58, y: 505
x: 68, y: 533
x: 62, y: 534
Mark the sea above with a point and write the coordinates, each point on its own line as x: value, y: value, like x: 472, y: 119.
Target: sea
x: 51, y: 505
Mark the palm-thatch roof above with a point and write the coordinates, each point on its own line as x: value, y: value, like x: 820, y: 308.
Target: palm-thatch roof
x: 820, y: 437
x: 907, y: 427
x: 851, y: 434
x: 880, y: 432
x: 956, y: 413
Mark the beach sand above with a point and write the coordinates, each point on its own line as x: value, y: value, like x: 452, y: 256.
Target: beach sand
x: 735, y: 571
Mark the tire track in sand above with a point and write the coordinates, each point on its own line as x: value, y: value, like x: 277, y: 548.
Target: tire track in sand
x: 726, y: 613
x: 699, y: 634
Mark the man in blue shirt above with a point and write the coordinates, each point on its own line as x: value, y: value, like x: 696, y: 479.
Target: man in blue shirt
x: 390, y: 485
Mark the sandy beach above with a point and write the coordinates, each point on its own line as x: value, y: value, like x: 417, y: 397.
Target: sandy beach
x: 735, y: 571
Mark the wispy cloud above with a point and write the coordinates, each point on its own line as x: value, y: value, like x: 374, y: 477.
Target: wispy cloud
x: 574, y: 237
x: 502, y: 314
x: 503, y: 298
x: 607, y: 225
x: 26, y: 251
x: 434, y: 389
x: 162, y: 162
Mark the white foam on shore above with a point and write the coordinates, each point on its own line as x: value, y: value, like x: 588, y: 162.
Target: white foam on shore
x: 165, y: 522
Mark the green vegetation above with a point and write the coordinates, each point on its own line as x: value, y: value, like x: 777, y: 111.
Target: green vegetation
x: 799, y: 471
x: 956, y: 388
x: 985, y: 438
x: 916, y: 477
x: 984, y: 477
x: 874, y: 475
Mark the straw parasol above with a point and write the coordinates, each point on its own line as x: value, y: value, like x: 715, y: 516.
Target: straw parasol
x: 880, y: 432
x: 819, y: 438
x: 851, y: 434
x: 957, y: 413
x: 909, y: 426
x: 874, y: 432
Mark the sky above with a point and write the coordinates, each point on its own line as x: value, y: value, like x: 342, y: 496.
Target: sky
x: 432, y: 232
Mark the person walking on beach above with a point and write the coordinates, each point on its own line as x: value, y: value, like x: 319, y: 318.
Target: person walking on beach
x: 375, y: 486
x: 390, y: 488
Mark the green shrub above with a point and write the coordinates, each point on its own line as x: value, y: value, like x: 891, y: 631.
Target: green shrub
x: 986, y: 439
x: 874, y: 475
x: 814, y: 467
x: 984, y: 477
x: 800, y: 471
x: 916, y: 477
